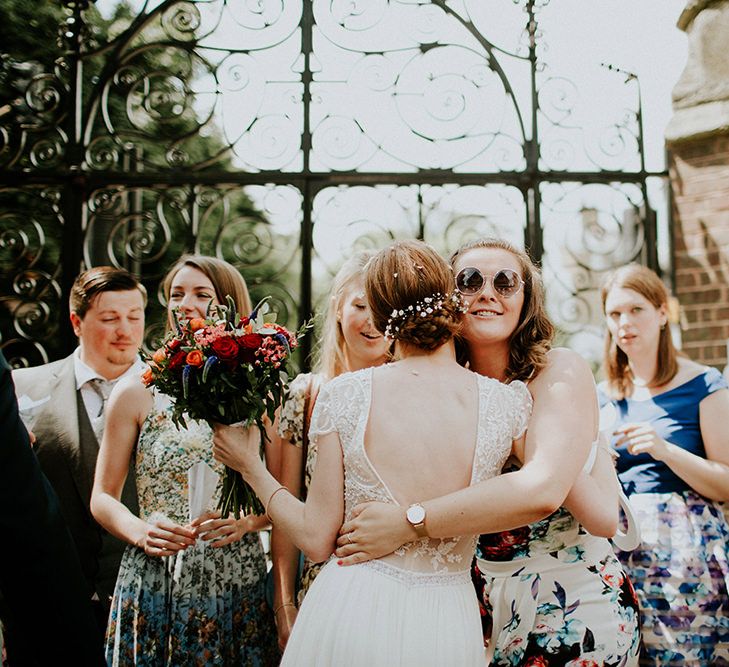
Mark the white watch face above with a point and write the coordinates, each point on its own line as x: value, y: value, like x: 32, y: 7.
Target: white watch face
x: 415, y: 514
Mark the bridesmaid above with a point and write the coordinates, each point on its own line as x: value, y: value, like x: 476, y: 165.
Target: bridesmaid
x: 188, y: 592
x: 348, y: 342
x: 669, y: 428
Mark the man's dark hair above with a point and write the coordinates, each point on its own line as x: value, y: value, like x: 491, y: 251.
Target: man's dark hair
x: 98, y: 279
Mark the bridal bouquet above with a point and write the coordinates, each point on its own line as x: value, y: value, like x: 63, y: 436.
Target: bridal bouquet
x: 228, y: 369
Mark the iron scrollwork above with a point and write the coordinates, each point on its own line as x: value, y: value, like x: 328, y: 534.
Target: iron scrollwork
x: 281, y: 136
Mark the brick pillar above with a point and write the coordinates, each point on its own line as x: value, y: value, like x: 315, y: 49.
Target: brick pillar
x: 697, y: 139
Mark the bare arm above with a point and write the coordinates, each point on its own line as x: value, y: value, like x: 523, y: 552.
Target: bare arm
x: 593, y: 500
x: 128, y: 405
x: 708, y: 476
x: 594, y: 497
x: 312, y: 525
x: 561, y: 430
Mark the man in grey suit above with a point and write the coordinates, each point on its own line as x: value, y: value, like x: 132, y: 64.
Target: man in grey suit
x: 63, y: 404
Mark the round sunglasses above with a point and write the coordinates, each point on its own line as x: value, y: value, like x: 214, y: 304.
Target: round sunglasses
x: 470, y: 281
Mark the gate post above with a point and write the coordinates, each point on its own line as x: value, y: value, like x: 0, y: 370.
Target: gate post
x: 697, y: 139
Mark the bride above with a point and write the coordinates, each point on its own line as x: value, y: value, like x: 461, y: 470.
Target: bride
x: 403, y: 433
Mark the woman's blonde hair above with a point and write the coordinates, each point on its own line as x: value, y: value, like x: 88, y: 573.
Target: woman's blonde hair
x: 405, y: 275
x: 331, y: 359
x: 226, y: 280
x: 532, y: 339
x: 619, y: 376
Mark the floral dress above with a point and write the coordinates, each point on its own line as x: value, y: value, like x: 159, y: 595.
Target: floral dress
x: 553, y: 595
x: 291, y: 429
x: 204, y: 605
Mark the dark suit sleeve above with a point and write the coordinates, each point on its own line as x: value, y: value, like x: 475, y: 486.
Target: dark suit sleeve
x: 47, y: 615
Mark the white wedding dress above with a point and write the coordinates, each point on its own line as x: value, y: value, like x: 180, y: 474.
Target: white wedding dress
x: 416, y: 606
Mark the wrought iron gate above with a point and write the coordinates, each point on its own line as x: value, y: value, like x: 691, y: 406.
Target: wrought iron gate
x: 283, y: 135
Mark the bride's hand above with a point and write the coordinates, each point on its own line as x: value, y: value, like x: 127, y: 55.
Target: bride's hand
x: 237, y: 447
x: 375, y: 530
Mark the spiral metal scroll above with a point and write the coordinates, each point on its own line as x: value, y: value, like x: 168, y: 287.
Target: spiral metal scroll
x: 581, y: 249
x: 161, y: 150
x: 30, y: 259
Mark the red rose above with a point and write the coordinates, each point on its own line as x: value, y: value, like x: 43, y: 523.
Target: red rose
x: 174, y: 344
x: 225, y: 349
x: 251, y: 341
x: 177, y: 360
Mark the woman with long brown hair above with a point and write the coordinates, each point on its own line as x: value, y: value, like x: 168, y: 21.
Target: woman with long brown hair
x: 667, y: 417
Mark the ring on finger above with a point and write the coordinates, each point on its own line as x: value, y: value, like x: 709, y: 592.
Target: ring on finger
x: 349, y: 538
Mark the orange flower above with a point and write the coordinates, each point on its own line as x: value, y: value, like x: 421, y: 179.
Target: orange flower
x: 160, y: 355
x: 195, y: 358
x: 147, y: 377
x: 196, y: 323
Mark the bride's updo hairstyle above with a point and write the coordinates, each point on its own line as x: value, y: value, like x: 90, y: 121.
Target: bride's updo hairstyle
x: 409, y: 288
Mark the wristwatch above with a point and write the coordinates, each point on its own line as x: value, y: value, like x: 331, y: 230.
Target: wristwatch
x: 415, y: 514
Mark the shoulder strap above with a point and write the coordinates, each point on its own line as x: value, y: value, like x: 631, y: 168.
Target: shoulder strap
x: 312, y: 391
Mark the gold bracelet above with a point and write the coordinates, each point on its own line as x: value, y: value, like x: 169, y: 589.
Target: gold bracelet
x: 281, y: 606
x: 268, y: 504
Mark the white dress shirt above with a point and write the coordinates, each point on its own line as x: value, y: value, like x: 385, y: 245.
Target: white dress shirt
x: 90, y: 396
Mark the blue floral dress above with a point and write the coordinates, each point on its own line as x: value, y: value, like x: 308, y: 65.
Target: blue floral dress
x: 553, y: 595
x: 680, y: 569
x: 203, y: 606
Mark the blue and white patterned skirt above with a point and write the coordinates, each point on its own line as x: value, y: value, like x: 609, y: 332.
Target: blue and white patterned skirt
x: 681, y: 575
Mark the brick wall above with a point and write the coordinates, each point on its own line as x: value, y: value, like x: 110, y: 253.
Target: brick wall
x: 699, y: 171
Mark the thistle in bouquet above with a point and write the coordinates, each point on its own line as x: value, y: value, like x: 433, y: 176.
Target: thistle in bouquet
x: 228, y: 369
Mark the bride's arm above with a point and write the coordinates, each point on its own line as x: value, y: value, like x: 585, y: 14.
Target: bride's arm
x: 313, y: 525
x: 559, y: 437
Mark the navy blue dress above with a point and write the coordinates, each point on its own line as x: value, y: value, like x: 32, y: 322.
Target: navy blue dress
x: 680, y: 570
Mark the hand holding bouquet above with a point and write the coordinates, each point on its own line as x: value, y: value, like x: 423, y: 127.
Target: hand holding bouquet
x: 228, y: 369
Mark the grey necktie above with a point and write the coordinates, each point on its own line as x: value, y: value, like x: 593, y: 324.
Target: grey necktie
x: 103, y: 389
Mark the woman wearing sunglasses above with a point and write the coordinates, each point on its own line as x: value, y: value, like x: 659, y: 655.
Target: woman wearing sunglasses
x: 551, y: 592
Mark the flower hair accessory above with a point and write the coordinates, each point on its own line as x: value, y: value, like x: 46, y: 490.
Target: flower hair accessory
x: 430, y: 305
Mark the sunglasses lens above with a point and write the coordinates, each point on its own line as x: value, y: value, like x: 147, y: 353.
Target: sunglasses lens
x: 507, y: 282
x: 469, y: 280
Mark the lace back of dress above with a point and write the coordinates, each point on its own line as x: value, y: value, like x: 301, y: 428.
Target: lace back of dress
x: 347, y: 411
